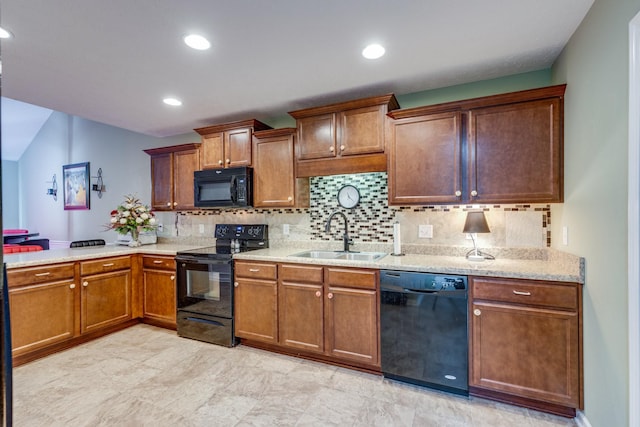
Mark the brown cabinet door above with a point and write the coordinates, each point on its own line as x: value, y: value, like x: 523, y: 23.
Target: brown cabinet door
x: 361, y: 131
x: 212, y: 151
x: 425, y: 160
x: 301, y: 316
x: 185, y: 163
x: 351, y: 317
x: 515, y: 153
x: 237, y: 148
x: 526, y: 351
x: 162, y: 182
x: 316, y: 137
x: 41, y: 315
x: 256, y: 310
x: 274, y: 181
x: 159, y: 295
x: 105, y: 300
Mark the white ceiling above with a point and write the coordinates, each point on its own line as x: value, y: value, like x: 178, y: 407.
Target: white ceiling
x: 114, y: 61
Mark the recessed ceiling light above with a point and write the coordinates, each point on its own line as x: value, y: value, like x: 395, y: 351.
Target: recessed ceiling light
x: 197, y: 42
x: 4, y: 34
x: 172, y: 101
x: 373, y: 51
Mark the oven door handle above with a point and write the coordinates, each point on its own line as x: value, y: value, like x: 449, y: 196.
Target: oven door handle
x: 208, y: 322
x: 197, y: 260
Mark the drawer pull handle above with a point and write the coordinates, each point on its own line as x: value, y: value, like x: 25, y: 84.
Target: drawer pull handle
x: 526, y: 294
x: 43, y: 274
x: 254, y: 270
x: 157, y: 261
x: 109, y: 264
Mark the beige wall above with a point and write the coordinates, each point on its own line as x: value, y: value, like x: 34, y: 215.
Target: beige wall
x: 594, y: 65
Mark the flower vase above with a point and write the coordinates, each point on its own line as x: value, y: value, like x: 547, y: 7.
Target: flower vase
x: 135, y: 241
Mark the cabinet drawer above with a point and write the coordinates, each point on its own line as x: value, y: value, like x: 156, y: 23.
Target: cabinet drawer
x: 301, y: 273
x: 161, y: 263
x: 105, y: 265
x: 353, y: 278
x: 555, y: 295
x: 42, y: 274
x: 256, y: 270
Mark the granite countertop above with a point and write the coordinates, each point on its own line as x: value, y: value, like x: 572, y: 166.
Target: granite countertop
x: 542, y: 264
x: 29, y: 259
x: 533, y: 264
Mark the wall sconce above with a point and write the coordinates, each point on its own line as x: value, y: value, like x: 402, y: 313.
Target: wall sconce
x: 53, y: 190
x: 476, y: 223
x: 99, y: 185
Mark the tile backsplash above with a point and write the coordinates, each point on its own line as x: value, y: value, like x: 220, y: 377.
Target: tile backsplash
x: 372, y: 220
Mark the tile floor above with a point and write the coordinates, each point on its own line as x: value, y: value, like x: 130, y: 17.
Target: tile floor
x: 147, y: 376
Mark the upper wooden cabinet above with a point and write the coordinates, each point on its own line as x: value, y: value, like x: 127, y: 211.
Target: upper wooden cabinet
x: 172, y: 176
x: 347, y: 137
x: 496, y: 149
x: 425, y: 162
x: 228, y: 145
x: 274, y: 181
x: 515, y: 152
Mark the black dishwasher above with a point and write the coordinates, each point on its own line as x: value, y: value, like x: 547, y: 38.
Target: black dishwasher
x: 423, y: 329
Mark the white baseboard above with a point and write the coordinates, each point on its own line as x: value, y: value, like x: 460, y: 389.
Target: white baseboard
x: 581, y: 419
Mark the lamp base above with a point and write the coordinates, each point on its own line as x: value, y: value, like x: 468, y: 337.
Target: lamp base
x: 472, y: 255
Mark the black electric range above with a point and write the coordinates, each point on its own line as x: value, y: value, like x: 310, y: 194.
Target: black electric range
x: 205, y: 283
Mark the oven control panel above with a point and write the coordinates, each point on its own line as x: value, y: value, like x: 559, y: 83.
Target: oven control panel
x: 241, y: 231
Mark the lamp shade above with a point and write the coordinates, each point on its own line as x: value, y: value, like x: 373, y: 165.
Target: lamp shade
x: 476, y: 223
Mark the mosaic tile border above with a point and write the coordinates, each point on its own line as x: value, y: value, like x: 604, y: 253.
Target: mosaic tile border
x: 372, y: 220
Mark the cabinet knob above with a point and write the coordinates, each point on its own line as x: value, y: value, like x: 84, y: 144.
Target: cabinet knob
x: 72, y: 286
x: 474, y: 193
x: 228, y: 161
x: 236, y: 284
x: 175, y: 203
x: 330, y: 295
x: 289, y: 198
x: 318, y: 293
x: 220, y: 162
x: 85, y: 284
x: 173, y: 277
x: 477, y: 312
x: 169, y: 204
x: 342, y: 148
x: 331, y: 149
x: 458, y: 193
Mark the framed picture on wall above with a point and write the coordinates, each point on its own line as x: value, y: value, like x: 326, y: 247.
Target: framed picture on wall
x: 75, y: 184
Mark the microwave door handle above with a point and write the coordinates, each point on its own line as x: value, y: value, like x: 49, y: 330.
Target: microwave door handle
x: 234, y: 189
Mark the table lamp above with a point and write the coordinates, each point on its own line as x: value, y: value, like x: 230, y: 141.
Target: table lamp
x: 476, y: 223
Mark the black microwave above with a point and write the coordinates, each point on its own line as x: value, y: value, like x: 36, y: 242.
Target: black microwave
x: 220, y: 188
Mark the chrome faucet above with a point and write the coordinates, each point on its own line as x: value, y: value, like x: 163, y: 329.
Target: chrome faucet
x: 345, y: 237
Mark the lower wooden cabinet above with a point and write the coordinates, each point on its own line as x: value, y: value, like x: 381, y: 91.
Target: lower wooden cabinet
x: 41, y: 315
x: 328, y: 311
x: 159, y: 290
x: 526, y: 342
x: 106, y: 296
x: 352, y: 323
x: 256, y: 301
x: 301, y: 307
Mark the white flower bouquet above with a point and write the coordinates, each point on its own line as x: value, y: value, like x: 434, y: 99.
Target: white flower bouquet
x: 132, y: 217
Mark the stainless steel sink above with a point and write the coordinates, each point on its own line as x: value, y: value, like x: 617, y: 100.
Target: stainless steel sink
x: 351, y: 256
x: 363, y: 256
x: 319, y: 254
